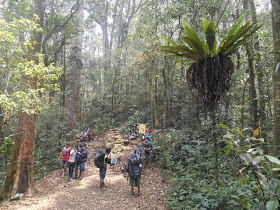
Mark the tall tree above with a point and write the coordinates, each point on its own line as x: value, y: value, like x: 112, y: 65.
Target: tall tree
x: 73, y: 74
x: 259, y: 71
x: 19, y: 177
x: 276, y: 74
x: 252, y: 68
x: 155, y: 62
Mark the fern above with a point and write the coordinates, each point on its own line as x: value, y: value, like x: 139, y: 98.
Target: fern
x: 194, y: 48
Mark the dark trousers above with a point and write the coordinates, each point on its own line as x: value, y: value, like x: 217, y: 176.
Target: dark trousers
x: 76, y: 169
x: 71, y: 168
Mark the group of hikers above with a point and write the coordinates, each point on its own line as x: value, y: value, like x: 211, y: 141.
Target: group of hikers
x: 75, y: 159
x: 86, y: 136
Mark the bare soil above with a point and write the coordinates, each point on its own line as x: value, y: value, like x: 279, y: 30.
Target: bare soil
x: 55, y: 192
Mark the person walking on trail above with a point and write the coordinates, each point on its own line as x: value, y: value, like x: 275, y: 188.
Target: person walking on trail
x: 134, y: 168
x: 72, y: 157
x: 148, y: 147
x: 89, y: 134
x: 83, y: 158
x: 102, y: 170
x: 84, y: 135
x: 65, y: 153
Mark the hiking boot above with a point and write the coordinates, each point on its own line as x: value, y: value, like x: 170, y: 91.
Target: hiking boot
x: 70, y: 177
x: 82, y: 180
x: 62, y: 175
x: 132, y: 194
x: 102, y: 186
x: 139, y: 192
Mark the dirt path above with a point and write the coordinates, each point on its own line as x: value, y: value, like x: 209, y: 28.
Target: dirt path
x: 54, y: 192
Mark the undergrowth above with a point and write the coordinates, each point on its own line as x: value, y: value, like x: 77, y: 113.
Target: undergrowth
x: 190, y: 167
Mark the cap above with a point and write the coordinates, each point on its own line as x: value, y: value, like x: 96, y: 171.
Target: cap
x: 68, y: 142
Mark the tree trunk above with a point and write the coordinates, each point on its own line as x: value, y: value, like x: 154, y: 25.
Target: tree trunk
x: 260, y: 86
x: 156, y: 96
x: 19, y: 177
x: 276, y: 75
x: 73, y: 76
x: 251, y: 65
x: 164, y: 119
x: 215, y: 148
x: 155, y: 61
x: 152, y: 101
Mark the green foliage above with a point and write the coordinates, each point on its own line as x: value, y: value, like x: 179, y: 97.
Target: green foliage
x: 191, y: 169
x: 48, y: 142
x: 6, y: 150
x: 194, y: 48
x: 14, y: 66
x: 7, y: 147
x: 258, y: 172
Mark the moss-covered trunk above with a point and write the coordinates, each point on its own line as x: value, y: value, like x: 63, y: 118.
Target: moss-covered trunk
x: 276, y: 74
x: 254, y: 122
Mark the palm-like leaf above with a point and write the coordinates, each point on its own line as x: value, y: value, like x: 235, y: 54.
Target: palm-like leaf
x: 233, y: 30
x: 194, y: 45
x: 192, y: 33
x: 211, y: 38
x: 196, y: 49
x: 181, y: 50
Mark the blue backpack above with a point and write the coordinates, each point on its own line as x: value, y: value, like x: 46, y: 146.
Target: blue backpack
x: 78, y: 157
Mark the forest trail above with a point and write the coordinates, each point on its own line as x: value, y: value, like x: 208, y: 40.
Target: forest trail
x: 55, y: 192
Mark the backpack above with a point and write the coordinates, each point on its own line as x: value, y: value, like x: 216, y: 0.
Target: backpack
x: 83, y: 155
x: 133, y: 166
x: 78, y: 157
x: 151, y: 140
x: 99, y: 158
x: 140, y: 153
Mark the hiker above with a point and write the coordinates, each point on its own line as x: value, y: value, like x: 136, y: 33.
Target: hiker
x: 83, y: 153
x: 140, y: 153
x: 132, y: 135
x: 148, y: 147
x: 72, y: 158
x: 89, y: 134
x: 102, y: 171
x: 134, y: 168
x: 147, y: 132
x: 142, y: 138
x: 134, y: 128
x: 84, y: 135
x: 65, y: 153
x: 77, y: 163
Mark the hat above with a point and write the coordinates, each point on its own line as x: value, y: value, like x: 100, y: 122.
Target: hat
x: 68, y: 142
